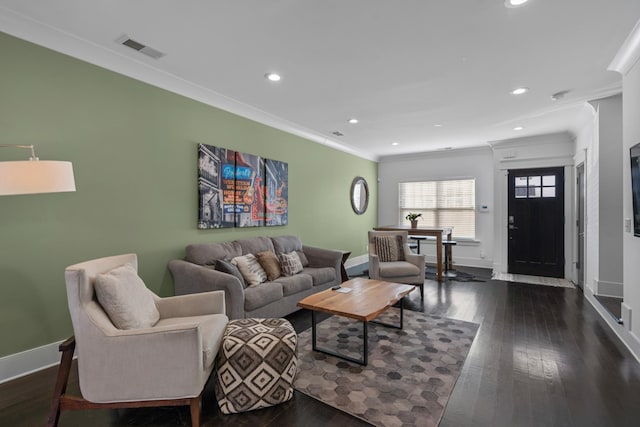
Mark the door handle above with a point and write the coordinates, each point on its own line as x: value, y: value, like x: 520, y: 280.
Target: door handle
x: 512, y: 227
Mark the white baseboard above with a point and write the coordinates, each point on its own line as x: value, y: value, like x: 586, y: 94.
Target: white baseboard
x: 358, y: 260
x: 628, y: 338
x: 608, y: 289
x: 26, y: 362
x: 464, y: 262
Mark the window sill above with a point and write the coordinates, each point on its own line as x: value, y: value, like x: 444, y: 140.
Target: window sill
x: 459, y: 242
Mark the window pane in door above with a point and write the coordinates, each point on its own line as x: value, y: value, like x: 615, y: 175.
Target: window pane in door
x: 534, y: 181
x: 548, y: 191
x: 549, y: 180
x: 521, y: 181
x: 534, y: 192
x: 521, y: 193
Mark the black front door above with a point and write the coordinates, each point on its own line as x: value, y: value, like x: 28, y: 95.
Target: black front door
x: 536, y: 222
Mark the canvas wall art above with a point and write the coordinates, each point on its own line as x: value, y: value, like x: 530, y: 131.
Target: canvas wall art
x: 240, y: 190
x: 249, y: 190
x: 276, y: 192
x: 215, y: 187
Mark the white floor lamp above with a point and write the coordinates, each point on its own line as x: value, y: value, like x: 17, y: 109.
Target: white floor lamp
x: 35, y: 176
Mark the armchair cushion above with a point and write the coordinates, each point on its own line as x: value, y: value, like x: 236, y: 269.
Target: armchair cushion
x: 398, y: 269
x: 227, y: 267
x: 250, y: 268
x: 126, y: 299
x: 389, y: 248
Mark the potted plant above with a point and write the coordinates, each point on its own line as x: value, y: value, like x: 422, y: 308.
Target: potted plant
x: 413, y: 217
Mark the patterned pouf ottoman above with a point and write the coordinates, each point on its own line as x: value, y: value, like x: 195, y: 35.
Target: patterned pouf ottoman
x: 257, y: 364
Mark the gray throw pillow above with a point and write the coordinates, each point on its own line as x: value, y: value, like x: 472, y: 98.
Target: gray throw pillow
x: 227, y: 267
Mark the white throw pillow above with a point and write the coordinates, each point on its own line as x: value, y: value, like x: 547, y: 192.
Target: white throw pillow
x: 250, y: 269
x: 126, y: 299
x: 290, y: 263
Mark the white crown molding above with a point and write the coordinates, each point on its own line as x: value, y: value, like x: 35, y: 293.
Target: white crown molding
x: 435, y: 154
x: 628, y: 54
x: 39, y: 33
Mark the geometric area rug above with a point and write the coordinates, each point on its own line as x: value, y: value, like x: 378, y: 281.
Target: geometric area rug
x: 410, y: 374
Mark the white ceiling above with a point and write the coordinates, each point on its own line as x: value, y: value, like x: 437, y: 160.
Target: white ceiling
x: 399, y: 67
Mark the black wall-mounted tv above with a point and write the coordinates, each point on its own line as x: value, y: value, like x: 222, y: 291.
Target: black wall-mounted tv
x: 635, y: 187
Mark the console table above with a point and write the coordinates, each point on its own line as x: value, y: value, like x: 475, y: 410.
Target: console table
x: 436, y: 232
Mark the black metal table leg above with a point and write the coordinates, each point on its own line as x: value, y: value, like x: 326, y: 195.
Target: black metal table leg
x: 365, y: 337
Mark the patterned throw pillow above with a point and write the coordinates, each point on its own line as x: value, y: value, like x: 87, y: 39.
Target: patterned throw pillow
x: 226, y: 267
x: 269, y: 262
x: 250, y: 269
x: 389, y: 248
x: 290, y: 263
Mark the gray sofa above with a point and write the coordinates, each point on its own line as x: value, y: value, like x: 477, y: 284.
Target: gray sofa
x: 196, y: 273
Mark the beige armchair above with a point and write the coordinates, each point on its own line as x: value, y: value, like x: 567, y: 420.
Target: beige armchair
x: 391, y: 259
x: 166, y: 364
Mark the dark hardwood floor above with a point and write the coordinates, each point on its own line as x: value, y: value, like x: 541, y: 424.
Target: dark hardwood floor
x: 542, y: 357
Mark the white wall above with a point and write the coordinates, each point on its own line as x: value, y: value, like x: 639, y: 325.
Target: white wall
x: 608, y: 199
x: 470, y: 163
x: 539, y: 151
x: 631, y: 244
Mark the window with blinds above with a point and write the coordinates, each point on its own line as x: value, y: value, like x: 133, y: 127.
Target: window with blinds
x: 441, y: 203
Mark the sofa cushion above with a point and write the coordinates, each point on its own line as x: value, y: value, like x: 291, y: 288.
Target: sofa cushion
x: 294, y: 284
x: 254, y: 245
x: 227, y: 267
x: 303, y: 258
x: 250, y: 269
x: 286, y: 244
x: 321, y: 275
x: 398, y: 269
x: 212, y: 327
x: 389, y: 248
x: 208, y: 253
x: 269, y: 262
x: 259, y: 296
x: 290, y: 263
x: 125, y: 298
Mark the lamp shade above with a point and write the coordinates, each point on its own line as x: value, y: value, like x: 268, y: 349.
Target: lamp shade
x: 36, y: 176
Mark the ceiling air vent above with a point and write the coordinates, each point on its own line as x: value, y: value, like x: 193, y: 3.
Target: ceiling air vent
x: 149, y: 51
x: 337, y: 133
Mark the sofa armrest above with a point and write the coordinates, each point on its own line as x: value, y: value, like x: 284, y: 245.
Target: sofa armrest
x: 320, y: 257
x: 191, y: 305
x: 189, y: 278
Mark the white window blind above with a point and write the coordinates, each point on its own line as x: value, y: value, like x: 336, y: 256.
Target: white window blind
x: 449, y: 203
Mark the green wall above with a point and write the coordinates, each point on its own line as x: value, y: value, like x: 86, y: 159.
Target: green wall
x: 134, y: 152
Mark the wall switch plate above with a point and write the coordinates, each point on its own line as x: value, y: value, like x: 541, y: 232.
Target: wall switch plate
x: 627, y: 225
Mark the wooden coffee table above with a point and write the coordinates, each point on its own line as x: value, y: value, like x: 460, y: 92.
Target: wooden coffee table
x: 367, y: 300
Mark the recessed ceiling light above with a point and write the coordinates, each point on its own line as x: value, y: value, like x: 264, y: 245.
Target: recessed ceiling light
x: 273, y: 77
x: 519, y: 91
x: 518, y: 128
x: 514, y: 3
x: 353, y: 121
x: 437, y: 126
x: 395, y: 143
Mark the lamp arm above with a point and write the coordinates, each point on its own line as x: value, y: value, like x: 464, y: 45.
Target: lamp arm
x: 30, y: 147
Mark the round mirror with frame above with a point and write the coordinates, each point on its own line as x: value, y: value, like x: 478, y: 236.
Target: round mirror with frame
x: 359, y: 195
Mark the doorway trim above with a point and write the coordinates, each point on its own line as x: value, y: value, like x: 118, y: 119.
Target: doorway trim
x: 501, y: 199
